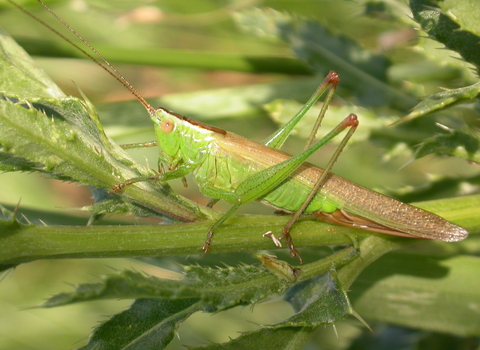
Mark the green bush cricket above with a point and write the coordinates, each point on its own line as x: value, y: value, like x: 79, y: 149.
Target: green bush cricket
x: 229, y: 167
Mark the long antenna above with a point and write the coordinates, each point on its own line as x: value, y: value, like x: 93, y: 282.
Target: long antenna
x: 107, y: 66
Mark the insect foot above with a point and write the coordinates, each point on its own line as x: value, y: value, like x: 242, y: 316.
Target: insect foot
x: 275, y: 240
x: 208, y: 243
x: 289, y: 240
x: 118, y: 188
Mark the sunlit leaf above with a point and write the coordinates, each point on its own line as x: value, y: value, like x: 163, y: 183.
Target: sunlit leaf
x: 151, y: 324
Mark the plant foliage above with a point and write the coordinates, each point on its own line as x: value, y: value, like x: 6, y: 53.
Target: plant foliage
x: 431, y: 287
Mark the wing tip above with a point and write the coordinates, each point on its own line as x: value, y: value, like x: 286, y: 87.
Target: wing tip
x: 457, y: 234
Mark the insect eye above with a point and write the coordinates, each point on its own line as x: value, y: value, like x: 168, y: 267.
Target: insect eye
x: 167, y: 126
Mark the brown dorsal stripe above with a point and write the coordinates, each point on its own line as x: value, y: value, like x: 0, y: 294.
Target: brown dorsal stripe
x: 194, y: 122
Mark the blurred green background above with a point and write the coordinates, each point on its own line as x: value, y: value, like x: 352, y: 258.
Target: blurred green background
x: 195, y: 28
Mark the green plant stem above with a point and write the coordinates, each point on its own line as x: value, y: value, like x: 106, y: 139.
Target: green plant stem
x: 21, y: 244
x: 243, y: 233
x: 370, y: 249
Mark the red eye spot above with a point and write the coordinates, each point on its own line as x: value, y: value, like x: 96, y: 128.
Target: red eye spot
x: 167, y: 126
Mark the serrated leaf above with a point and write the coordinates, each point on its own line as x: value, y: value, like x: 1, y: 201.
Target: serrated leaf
x: 17, y: 76
x: 10, y: 162
x: 465, y: 13
x: 318, y: 301
x: 444, y: 29
x: 437, y: 53
x: 442, y: 100
x: 62, y: 149
x: 55, y: 134
x: 454, y: 142
x: 62, y: 137
x: 118, y: 205
x: 286, y: 338
x: 219, y: 288
x: 147, y: 324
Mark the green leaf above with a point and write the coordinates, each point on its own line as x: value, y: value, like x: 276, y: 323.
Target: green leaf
x: 465, y: 13
x: 363, y: 71
x: 17, y: 75
x: 442, y: 100
x: 10, y: 162
x: 453, y: 142
x: 318, y: 301
x: 446, y: 28
x: 426, y: 292
x: 287, y: 338
x: 440, y: 58
x: 219, y: 288
x: 118, y: 205
x: 62, y: 137
x: 56, y: 143
x: 151, y: 324
x: 61, y: 148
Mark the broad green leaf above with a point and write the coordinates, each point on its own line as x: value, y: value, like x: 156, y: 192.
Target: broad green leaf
x: 147, y: 324
x: 50, y: 141
x: 63, y: 150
